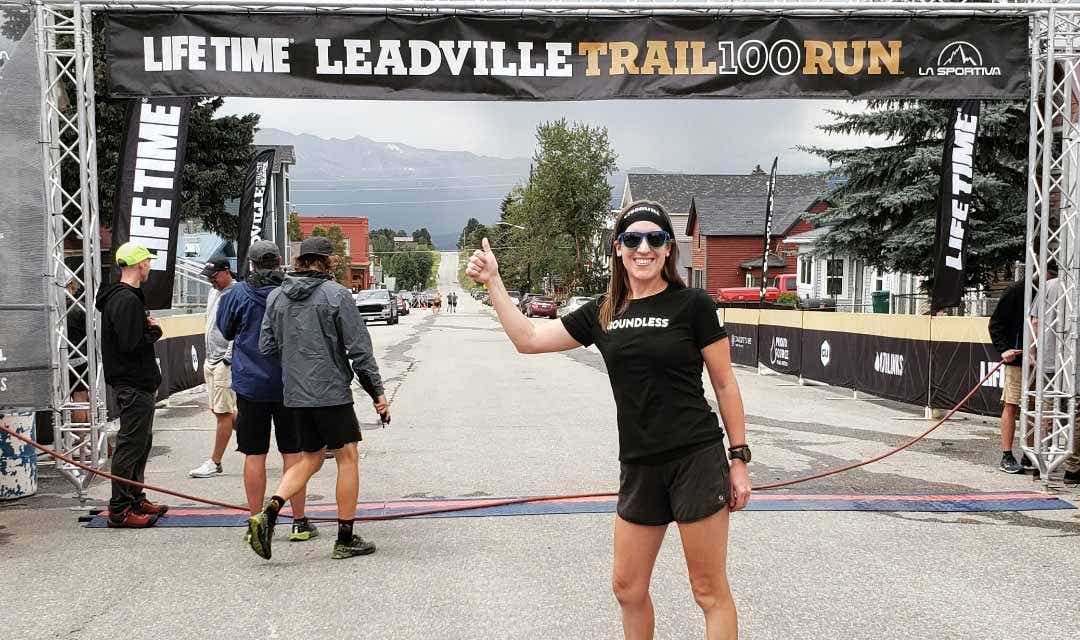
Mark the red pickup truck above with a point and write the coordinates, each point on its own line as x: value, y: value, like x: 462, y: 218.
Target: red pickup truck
x: 784, y: 284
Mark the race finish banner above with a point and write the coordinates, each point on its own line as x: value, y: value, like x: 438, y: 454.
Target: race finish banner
x: 148, y: 200
x: 254, y: 223
x: 954, y: 204
x: 399, y: 57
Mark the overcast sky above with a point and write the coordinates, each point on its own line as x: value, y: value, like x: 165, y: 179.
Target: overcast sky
x: 695, y: 136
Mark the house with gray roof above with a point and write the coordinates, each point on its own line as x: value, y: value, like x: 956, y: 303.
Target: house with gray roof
x: 724, y: 219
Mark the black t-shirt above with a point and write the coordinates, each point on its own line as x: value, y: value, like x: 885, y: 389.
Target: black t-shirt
x: 653, y: 356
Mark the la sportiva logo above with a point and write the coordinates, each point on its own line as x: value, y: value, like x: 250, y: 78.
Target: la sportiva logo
x: 996, y: 380
x: 960, y: 58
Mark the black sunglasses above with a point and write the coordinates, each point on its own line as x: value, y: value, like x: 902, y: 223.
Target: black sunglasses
x: 632, y: 239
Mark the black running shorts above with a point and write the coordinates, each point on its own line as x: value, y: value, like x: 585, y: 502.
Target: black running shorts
x: 326, y: 427
x: 686, y: 489
x: 253, y: 427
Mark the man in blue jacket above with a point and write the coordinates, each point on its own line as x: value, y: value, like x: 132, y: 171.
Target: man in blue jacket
x: 256, y: 380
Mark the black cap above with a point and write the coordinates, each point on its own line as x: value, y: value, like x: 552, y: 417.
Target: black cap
x: 316, y: 246
x: 264, y: 254
x: 216, y: 264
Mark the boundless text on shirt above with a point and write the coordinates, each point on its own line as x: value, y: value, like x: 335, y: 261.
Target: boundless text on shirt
x: 653, y: 356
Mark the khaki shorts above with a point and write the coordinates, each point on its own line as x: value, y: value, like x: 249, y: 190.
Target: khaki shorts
x: 219, y: 385
x: 1010, y: 394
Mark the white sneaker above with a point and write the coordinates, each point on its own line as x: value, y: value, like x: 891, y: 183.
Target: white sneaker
x: 208, y: 469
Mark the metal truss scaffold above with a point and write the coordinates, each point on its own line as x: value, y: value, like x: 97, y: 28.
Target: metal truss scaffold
x: 1048, y: 411
x: 66, y: 62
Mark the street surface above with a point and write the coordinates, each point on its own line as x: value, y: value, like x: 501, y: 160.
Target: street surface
x: 473, y: 418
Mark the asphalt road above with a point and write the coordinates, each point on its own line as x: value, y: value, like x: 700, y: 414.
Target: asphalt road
x: 471, y: 417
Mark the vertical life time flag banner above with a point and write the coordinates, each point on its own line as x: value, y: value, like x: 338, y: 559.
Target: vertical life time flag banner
x: 148, y: 200
x: 954, y: 204
x: 254, y: 223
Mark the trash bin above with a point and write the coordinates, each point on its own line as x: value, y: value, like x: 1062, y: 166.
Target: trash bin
x: 18, y: 461
x: 881, y: 301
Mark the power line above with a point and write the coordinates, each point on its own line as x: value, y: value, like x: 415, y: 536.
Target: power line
x: 432, y: 188
x: 370, y: 204
x: 411, y: 179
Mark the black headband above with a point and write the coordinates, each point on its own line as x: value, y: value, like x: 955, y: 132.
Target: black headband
x: 645, y: 212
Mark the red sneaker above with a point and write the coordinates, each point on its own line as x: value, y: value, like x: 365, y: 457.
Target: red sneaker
x: 131, y: 519
x: 148, y: 508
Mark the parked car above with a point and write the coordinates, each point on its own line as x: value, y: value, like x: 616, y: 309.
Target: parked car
x: 573, y: 304
x: 786, y: 283
x: 375, y: 305
x: 541, y: 306
x: 402, y: 304
x: 515, y: 297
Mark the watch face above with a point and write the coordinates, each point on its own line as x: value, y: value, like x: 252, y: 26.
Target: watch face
x: 742, y: 453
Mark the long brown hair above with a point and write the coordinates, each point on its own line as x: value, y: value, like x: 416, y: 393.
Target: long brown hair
x: 617, y: 298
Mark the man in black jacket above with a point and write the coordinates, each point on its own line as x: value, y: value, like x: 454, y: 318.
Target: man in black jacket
x: 1007, y: 334
x: 128, y: 334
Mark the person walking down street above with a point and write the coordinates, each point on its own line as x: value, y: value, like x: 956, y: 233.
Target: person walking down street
x: 129, y: 363
x: 656, y: 335
x: 313, y: 327
x: 452, y: 296
x: 217, y: 368
x: 1007, y: 334
x: 256, y: 380
x: 436, y: 303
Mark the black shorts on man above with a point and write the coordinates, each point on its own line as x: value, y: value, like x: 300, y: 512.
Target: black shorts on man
x: 253, y: 424
x: 326, y: 427
x: 686, y: 489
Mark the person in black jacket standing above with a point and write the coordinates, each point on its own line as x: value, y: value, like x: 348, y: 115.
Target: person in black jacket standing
x: 1007, y: 334
x: 128, y: 334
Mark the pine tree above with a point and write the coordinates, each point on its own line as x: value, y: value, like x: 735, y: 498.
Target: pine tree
x: 886, y: 212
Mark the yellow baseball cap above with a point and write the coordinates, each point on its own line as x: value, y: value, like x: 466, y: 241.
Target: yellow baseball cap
x: 130, y: 254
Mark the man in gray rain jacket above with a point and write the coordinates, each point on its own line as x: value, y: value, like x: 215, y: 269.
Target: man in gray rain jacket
x: 313, y: 327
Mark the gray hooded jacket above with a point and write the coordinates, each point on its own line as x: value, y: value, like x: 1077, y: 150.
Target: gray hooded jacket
x: 313, y: 327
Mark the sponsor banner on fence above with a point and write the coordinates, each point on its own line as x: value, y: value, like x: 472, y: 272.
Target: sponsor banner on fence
x: 743, y: 338
x: 957, y: 368
x: 447, y: 57
x: 780, y: 348
x: 829, y: 357
x: 894, y: 368
x: 180, y: 360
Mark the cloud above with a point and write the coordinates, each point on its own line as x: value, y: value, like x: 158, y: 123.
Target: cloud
x: 699, y: 136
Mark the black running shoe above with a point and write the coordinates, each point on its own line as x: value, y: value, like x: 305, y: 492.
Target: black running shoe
x: 355, y: 547
x: 1009, y: 463
x: 260, y: 532
x: 1026, y: 464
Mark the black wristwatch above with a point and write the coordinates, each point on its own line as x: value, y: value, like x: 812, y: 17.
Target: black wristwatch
x: 740, y: 452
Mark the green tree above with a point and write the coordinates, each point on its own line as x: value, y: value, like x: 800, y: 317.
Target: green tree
x: 886, y: 212
x: 339, y: 260
x: 411, y: 269
x: 467, y: 232
x: 296, y: 234
x: 564, y: 206
x: 422, y: 237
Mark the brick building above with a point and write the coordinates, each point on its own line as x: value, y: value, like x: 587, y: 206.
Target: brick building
x: 725, y: 221
x: 355, y: 230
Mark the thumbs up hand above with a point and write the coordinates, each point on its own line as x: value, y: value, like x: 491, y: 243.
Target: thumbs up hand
x: 483, y: 266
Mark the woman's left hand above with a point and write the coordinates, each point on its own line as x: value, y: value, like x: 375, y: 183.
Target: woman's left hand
x: 740, y: 486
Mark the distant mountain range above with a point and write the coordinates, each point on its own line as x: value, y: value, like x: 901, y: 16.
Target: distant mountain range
x: 403, y: 187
